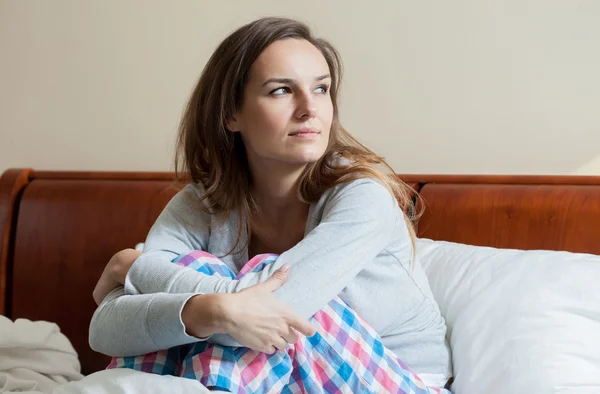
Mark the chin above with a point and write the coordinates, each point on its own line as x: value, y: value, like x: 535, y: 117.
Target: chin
x: 307, y: 158
x: 300, y: 162
x: 299, y: 157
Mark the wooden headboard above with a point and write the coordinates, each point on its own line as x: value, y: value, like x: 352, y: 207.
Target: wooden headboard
x: 59, y: 229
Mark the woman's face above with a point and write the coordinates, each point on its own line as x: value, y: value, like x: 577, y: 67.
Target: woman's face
x: 287, y: 111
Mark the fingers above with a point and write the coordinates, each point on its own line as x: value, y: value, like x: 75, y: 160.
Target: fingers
x: 290, y: 336
x: 270, y: 349
x: 280, y: 343
x: 277, y: 279
x: 301, y: 325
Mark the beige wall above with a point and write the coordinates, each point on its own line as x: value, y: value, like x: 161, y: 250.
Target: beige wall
x: 436, y: 87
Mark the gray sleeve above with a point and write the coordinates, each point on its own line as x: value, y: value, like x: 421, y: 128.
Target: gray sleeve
x: 146, y: 323
x: 358, y: 220
x: 182, y: 226
x: 357, y: 224
x: 143, y: 317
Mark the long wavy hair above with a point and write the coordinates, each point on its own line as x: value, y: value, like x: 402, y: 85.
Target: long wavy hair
x: 208, y: 153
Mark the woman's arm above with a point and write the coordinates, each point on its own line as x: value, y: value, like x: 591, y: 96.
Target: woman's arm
x: 130, y: 325
x: 126, y: 325
x: 356, y: 226
x: 253, y: 318
x: 181, y: 227
x: 133, y: 325
x: 114, y: 273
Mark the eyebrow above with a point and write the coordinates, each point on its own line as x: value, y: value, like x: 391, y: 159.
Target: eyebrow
x: 291, y: 81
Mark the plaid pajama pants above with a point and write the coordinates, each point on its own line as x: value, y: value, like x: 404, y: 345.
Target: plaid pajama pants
x: 346, y: 355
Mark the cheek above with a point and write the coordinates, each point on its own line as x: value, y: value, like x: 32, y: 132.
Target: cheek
x: 327, y: 114
x: 268, y: 119
x: 327, y: 107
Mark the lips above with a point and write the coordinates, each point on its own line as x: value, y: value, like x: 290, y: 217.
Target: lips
x: 304, y: 130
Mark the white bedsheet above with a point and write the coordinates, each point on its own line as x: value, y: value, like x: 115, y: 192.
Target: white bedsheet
x: 35, y: 357
x: 128, y: 381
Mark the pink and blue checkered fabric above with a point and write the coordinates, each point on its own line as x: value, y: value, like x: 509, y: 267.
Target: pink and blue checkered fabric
x: 346, y: 355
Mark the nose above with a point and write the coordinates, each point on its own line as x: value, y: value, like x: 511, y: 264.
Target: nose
x: 306, y: 107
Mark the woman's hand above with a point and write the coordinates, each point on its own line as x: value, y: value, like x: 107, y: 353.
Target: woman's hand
x: 253, y: 317
x: 114, y: 273
x: 256, y: 319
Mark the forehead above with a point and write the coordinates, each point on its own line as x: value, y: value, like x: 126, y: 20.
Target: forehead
x: 290, y: 58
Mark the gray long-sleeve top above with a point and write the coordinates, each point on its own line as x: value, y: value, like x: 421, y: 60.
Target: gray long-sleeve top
x: 356, y: 245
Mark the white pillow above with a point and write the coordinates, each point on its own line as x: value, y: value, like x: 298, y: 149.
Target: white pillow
x: 518, y: 321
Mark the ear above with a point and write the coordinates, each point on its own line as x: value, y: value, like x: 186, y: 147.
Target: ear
x: 233, y: 124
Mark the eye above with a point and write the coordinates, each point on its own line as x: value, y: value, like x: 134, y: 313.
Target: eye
x: 280, y: 91
x: 322, y: 88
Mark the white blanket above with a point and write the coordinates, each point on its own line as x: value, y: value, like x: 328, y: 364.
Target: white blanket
x: 35, y: 357
x: 128, y: 381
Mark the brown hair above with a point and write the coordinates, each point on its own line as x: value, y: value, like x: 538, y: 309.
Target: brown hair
x: 209, y: 154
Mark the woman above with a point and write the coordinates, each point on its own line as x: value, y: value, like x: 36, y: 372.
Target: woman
x: 273, y: 171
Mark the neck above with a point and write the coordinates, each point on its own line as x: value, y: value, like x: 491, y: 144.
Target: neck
x: 274, y: 188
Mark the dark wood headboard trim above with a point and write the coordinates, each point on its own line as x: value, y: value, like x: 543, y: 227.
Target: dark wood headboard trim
x: 12, y: 184
x: 503, y: 179
x: 104, y: 175
x: 408, y: 178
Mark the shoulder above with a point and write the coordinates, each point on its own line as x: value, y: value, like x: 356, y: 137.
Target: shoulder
x: 187, y: 201
x: 190, y: 194
x: 367, y: 187
x: 363, y: 187
x: 365, y: 194
x: 192, y: 190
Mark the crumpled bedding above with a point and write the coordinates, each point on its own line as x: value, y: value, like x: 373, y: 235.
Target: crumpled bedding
x: 128, y: 381
x: 35, y: 357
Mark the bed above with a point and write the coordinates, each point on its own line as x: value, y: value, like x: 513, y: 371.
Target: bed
x: 58, y: 229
